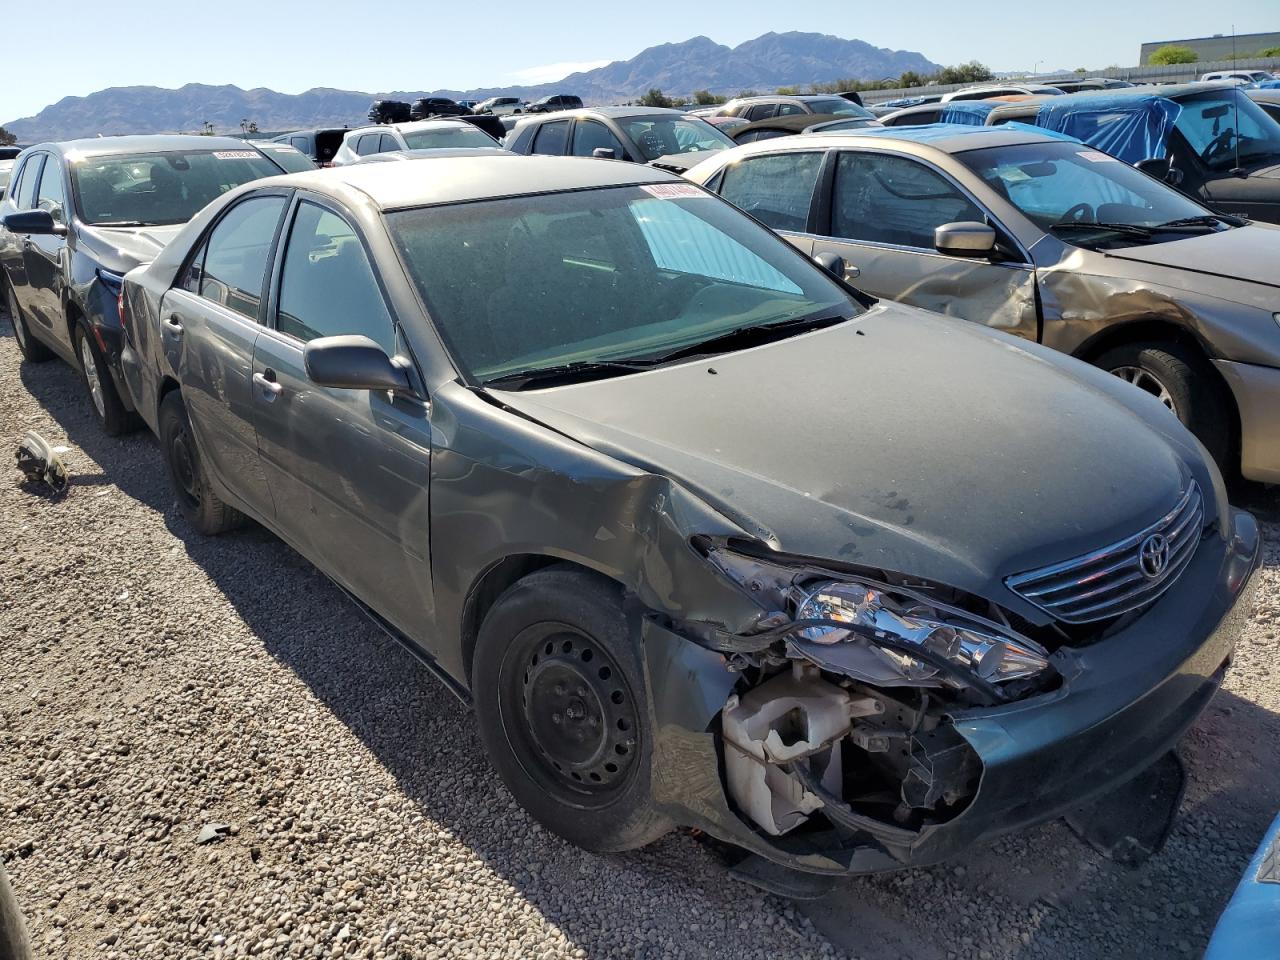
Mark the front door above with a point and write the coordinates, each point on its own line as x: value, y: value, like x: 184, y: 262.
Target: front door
x: 44, y: 257
x: 209, y: 322
x: 350, y: 468
x: 884, y: 209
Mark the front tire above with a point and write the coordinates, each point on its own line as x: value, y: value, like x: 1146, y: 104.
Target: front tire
x: 32, y: 350
x: 560, y: 698
x: 104, y: 399
x: 1180, y: 378
x: 196, y: 499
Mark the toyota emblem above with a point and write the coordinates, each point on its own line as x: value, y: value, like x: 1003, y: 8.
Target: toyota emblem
x: 1153, y: 555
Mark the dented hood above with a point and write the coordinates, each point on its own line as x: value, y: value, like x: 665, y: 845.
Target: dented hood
x: 900, y: 440
x: 123, y: 248
x: 1248, y: 253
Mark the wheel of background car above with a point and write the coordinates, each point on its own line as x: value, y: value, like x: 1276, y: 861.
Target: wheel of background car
x: 1080, y: 213
x: 32, y: 350
x: 1179, y: 377
x: 560, y: 699
x: 196, y: 499
x: 104, y: 399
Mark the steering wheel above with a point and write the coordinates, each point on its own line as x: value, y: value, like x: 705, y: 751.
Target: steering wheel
x: 1221, y: 142
x: 1080, y: 213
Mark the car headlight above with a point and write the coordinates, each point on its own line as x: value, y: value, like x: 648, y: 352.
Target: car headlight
x: 915, y: 638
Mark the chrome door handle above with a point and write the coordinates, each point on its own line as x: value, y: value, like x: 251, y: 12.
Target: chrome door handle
x: 173, y: 325
x: 270, y: 388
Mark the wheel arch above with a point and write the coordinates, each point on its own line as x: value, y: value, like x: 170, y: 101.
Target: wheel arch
x: 489, y: 585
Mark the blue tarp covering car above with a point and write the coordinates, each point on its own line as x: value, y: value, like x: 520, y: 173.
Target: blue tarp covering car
x: 1128, y: 127
x: 1249, y: 929
x: 971, y: 112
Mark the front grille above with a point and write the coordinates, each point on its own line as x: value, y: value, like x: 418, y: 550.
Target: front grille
x: 1120, y: 577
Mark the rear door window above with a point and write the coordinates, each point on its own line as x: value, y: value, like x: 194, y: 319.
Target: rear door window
x: 235, y: 257
x: 367, y: 144
x: 590, y: 135
x: 790, y: 109
x: 761, y: 111
x: 52, y: 197
x: 301, y: 143
x: 387, y: 144
x: 777, y: 189
x: 552, y: 139
x: 26, y: 190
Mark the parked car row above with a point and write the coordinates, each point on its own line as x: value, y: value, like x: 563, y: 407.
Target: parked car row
x: 944, y: 581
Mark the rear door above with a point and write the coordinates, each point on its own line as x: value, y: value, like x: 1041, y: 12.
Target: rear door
x: 23, y: 197
x: 210, y: 320
x: 881, y: 215
x: 350, y: 468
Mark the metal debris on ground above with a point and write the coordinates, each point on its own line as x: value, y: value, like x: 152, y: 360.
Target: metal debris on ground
x: 213, y: 831
x: 40, y: 463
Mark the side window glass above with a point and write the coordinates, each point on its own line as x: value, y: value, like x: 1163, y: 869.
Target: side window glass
x: 327, y: 287
x: 300, y: 143
x: 777, y: 190
x: 235, y: 259
x: 387, y: 144
x: 190, y: 278
x: 367, y: 144
x: 789, y: 109
x: 552, y: 138
x: 51, y: 197
x: 761, y: 111
x: 590, y: 135
x: 26, y: 195
x: 886, y: 199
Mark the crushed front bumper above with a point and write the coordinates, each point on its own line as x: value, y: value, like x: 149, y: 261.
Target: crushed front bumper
x: 1257, y: 393
x: 1124, y: 702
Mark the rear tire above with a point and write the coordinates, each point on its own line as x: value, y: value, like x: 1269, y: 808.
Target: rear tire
x: 196, y: 499
x: 1183, y: 380
x: 32, y: 350
x: 560, y: 698
x: 104, y: 399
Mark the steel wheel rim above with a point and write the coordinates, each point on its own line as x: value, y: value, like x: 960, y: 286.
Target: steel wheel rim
x: 18, y: 333
x: 184, y: 465
x: 91, y: 375
x: 571, y: 715
x: 1147, y: 382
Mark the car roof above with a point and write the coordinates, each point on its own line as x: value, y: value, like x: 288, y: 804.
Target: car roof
x: 457, y: 179
x: 143, y: 143
x: 794, y: 122
x: 946, y: 137
x: 614, y: 113
x: 442, y: 152
x: 409, y: 126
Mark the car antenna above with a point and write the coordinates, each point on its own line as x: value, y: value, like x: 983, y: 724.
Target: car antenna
x: 1235, y: 103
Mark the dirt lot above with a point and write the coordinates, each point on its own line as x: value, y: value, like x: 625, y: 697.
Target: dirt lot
x: 153, y: 682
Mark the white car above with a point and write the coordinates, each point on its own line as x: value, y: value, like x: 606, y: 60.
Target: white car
x: 500, y: 106
x: 439, y: 134
x: 1244, y: 76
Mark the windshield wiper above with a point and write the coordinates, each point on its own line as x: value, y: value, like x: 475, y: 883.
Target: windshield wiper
x: 125, y: 223
x: 740, y: 338
x: 1205, y: 219
x: 565, y: 372
x: 1128, y: 229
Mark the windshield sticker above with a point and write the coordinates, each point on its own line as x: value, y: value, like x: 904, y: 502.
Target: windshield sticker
x: 671, y: 191
x: 1097, y: 156
x: 235, y: 154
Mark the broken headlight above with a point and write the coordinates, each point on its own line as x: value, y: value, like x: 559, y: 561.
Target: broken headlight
x: 899, y: 639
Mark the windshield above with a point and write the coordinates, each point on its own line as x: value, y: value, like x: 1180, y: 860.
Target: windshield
x: 527, y: 283
x: 446, y: 138
x: 1218, y: 122
x: 662, y: 136
x: 152, y: 189
x: 840, y: 107
x: 1053, y: 183
x: 291, y: 160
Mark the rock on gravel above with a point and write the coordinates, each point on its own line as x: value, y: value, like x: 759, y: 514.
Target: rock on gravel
x: 154, y: 682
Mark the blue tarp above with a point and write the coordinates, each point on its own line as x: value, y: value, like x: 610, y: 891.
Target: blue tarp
x: 1130, y: 128
x: 1269, y: 85
x: 970, y: 112
x: 1249, y: 928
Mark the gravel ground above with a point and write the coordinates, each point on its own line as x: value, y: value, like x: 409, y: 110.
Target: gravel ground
x: 153, y: 682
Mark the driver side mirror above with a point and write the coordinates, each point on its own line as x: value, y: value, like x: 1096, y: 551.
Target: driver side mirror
x: 353, y: 363
x: 604, y: 153
x: 965, y: 239
x: 38, y: 223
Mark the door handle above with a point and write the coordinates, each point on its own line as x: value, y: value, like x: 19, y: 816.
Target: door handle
x: 851, y: 272
x: 270, y: 387
x: 173, y: 324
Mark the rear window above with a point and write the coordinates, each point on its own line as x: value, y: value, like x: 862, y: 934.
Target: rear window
x: 147, y: 189
x: 451, y: 137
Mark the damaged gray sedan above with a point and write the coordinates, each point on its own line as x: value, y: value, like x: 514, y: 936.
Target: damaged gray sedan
x: 706, y: 537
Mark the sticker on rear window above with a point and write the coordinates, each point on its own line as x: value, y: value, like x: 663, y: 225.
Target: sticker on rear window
x: 671, y: 191
x: 235, y: 154
x: 1097, y: 156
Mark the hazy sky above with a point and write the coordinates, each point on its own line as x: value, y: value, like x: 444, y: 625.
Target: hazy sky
x: 376, y: 45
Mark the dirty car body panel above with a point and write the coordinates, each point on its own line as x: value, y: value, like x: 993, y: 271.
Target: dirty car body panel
x: 716, y: 534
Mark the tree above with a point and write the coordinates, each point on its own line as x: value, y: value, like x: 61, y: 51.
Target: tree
x: 971, y: 72
x: 655, y: 98
x: 1173, y: 53
x: 1269, y: 52
x: 7, y: 138
x: 910, y: 78
x: 253, y: 126
x: 787, y: 91
x: 705, y: 98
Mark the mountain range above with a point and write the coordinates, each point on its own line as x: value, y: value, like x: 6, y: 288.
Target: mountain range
x: 765, y: 63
